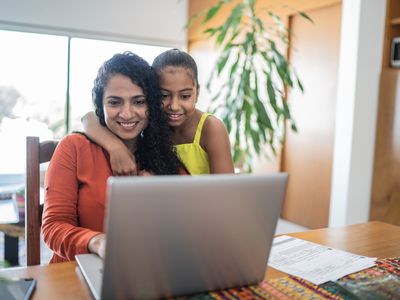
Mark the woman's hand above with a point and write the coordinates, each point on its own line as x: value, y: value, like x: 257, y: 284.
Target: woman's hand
x: 122, y: 161
x: 97, y: 245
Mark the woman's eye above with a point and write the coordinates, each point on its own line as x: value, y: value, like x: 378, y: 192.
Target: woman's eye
x: 140, y: 101
x: 186, y: 96
x: 113, y: 102
x: 164, y: 96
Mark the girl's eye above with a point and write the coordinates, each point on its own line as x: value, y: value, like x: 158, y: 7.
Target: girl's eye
x: 164, y: 96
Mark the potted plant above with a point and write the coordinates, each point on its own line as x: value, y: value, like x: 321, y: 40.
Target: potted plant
x: 256, y: 77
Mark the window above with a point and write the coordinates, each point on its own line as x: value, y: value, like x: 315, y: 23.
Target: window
x: 35, y: 79
x: 86, y: 58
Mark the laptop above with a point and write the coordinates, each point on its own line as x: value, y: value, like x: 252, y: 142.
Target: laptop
x: 171, y: 236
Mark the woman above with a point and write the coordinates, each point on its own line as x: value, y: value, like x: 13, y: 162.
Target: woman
x: 128, y: 102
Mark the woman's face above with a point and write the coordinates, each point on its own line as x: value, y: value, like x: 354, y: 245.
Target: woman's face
x: 179, y: 94
x: 125, y: 108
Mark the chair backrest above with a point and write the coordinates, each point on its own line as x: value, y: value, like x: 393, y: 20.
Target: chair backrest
x: 36, y: 153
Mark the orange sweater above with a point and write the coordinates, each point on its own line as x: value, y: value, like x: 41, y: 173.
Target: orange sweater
x: 75, y: 196
x: 75, y: 189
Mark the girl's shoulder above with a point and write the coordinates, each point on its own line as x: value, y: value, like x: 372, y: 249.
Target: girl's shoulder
x: 209, y: 121
x: 213, y: 129
x: 212, y: 123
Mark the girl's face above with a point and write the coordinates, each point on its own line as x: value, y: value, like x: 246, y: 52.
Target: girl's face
x: 125, y: 108
x: 179, y: 91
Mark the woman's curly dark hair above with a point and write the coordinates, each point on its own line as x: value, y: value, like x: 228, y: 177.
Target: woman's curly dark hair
x: 155, y: 152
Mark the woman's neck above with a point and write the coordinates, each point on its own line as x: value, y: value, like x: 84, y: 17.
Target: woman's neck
x: 131, y: 145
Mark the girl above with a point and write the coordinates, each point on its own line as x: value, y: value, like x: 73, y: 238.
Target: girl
x: 201, y: 140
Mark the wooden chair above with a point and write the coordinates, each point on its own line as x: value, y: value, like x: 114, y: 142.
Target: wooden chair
x: 36, y: 153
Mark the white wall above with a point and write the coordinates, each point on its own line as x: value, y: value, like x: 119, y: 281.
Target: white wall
x: 140, y: 21
x: 362, y: 32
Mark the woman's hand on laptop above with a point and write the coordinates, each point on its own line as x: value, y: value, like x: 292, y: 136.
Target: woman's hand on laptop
x: 97, y: 244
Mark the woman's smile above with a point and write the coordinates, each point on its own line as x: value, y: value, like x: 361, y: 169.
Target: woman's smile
x: 128, y: 125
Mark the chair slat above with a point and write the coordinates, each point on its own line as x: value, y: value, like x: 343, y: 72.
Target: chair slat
x: 36, y: 153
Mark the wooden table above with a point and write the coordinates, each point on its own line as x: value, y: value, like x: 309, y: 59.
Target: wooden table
x: 376, y: 239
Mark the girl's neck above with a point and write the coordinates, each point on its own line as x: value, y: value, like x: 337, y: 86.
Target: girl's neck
x: 185, y: 132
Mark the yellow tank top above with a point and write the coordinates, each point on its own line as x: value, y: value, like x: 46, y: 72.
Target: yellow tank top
x: 192, y: 155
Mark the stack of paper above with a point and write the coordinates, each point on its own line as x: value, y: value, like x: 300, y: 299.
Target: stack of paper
x: 314, y: 262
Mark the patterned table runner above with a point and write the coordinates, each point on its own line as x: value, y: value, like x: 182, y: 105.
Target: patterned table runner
x: 377, y: 283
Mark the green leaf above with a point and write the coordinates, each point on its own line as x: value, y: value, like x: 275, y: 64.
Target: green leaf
x: 236, y: 155
x: 248, y: 161
x: 272, y: 147
x: 277, y: 20
x: 286, y: 110
x: 252, y: 3
x: 211, y: 31
x: 191, y: 20
x: 234, y: 66
x: 221, y: 62
x: 227, y: 122
x: 299, y: 84
x: 212, y: 12
x: 263, y: 117
x: 221, y: 36
x: 236, y: 14
x: 247, y: 110
x: 233, y: 20
x: 304, y: 15
x: 293, y: 126
x: 288, y: 78
x: 231, y: 41
x: 282, y: 68
x: 271, y: 93
x: 256, y: 140
x: 267, y: 61
x: 237, y: 134
x: 259, y: 24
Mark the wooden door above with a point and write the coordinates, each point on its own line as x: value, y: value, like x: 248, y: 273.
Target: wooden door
x: 307, y: 155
